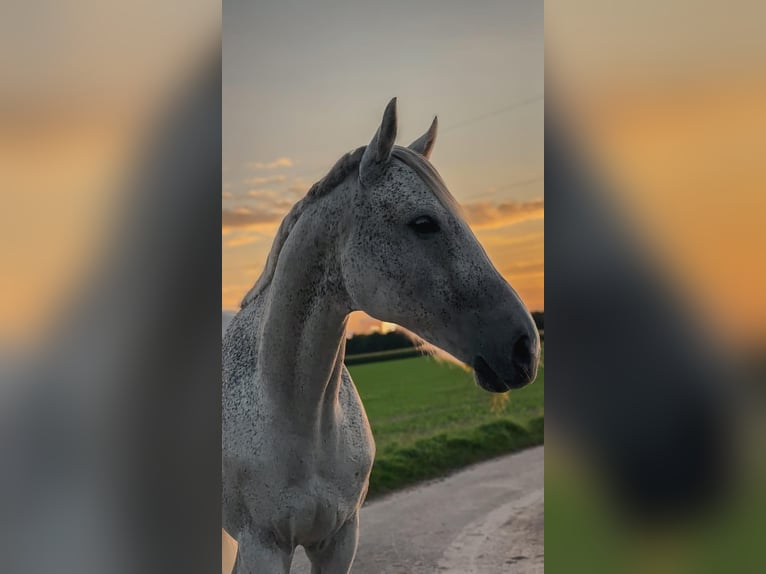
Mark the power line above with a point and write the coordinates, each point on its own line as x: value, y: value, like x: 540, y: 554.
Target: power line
x: 467, y: 122
x: 493, y: 113
x: 462, y: 123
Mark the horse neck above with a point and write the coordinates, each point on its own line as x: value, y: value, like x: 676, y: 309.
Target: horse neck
x: 303, y: 333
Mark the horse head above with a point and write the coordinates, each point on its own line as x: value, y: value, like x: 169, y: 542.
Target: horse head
x: 409, y: 257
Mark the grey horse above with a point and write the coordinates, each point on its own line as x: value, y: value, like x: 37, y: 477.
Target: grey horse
x: 382, y: 234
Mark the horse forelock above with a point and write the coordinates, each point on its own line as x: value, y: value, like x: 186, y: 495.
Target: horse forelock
x: 345, y: 166
x: 429, y: 175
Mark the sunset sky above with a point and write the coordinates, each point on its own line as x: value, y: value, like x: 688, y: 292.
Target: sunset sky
x: 678, y: 118
x: 302, y: 85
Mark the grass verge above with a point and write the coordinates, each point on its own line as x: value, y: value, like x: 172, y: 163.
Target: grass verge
x: 429, y: 458
x: 429, y: 418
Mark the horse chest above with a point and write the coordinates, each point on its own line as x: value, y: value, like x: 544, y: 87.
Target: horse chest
x: 313, y: 511
x: 307, y: 494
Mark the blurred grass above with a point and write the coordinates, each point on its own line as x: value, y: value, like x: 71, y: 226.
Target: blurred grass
x: 430, y: 417
x: 585, y: 532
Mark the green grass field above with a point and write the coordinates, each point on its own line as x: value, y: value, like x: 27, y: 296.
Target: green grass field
x: 429, y: 418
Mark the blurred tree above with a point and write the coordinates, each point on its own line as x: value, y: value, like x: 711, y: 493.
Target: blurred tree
x: 374, y: 342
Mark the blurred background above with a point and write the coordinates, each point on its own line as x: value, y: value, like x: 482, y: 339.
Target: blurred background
x: 109, y: 315
x: 79, y: 96
x: 655, y: 282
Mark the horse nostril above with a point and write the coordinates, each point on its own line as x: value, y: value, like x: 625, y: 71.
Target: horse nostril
x: 522, y: 351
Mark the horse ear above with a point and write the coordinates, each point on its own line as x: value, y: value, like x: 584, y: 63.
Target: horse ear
x: 425, y: 143
x: 377, y: 154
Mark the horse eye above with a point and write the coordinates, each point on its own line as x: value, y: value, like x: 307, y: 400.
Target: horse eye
x: 424, y: 225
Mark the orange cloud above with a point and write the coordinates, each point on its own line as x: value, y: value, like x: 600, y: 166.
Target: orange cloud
x: 268, y: 180
x: 489, y: 215
x: 523, y: 268
x: 279, y: 162
x: 271, y: 197
x: 241, y: 240
x: 250, y: 218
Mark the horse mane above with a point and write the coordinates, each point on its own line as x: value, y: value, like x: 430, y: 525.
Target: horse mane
x: 347, y: 164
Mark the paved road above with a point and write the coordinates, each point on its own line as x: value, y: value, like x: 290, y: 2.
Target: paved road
x: 487, y: 519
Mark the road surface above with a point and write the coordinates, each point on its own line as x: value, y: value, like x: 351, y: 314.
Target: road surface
x: 486, y: 519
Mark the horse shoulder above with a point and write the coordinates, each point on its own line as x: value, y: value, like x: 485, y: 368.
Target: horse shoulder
x: 357, y: 426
